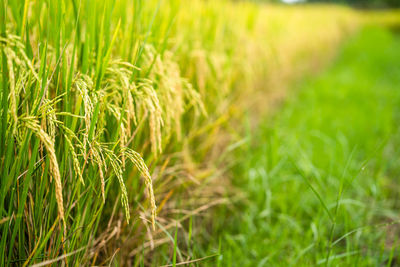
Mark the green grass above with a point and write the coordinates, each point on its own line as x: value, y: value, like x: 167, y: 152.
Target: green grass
x: 320, y: 178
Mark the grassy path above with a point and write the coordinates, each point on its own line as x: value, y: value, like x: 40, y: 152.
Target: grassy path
x: 322, y: 176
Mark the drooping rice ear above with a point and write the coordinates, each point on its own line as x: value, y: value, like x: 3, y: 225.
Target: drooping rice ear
x: 116, y: 166
x: 100, y: 164
x: 83, y: 84
x: 54, y: 169
x: 75, y: 160
x: 139, y: 163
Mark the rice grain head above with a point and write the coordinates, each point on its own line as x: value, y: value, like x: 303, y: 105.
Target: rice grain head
x: 139, y: 163
x: 54, y: 169
x: 116, y: 166
x: 83, y: 84
x: 13, y: 102
x: 75, y: 160
x: 100, y: 163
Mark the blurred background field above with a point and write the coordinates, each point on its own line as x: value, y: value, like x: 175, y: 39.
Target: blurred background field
x: 320, y: 178
x: 134, y: 132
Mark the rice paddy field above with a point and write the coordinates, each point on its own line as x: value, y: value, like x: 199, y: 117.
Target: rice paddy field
x: 198, y: 133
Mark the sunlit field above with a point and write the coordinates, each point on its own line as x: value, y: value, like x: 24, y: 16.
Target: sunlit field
x: 198, y: 133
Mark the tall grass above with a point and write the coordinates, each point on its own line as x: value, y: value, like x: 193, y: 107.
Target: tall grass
x: 110, y: 107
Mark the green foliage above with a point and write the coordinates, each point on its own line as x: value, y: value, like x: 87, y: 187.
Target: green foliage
x: 320, y: 177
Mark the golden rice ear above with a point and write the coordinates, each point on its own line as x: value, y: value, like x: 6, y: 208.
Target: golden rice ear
x: 100, y: 163
x: 139, y: 163
x: 83, y: 84
x: 50, y: 115
x: 130, y: 105
x: 15, y: 48
x: 116, y: 166
x: 77, y: 168
x: 151, y: 104
x: 13, y: 96
x: 54, y: 169
x: 193, y: 98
